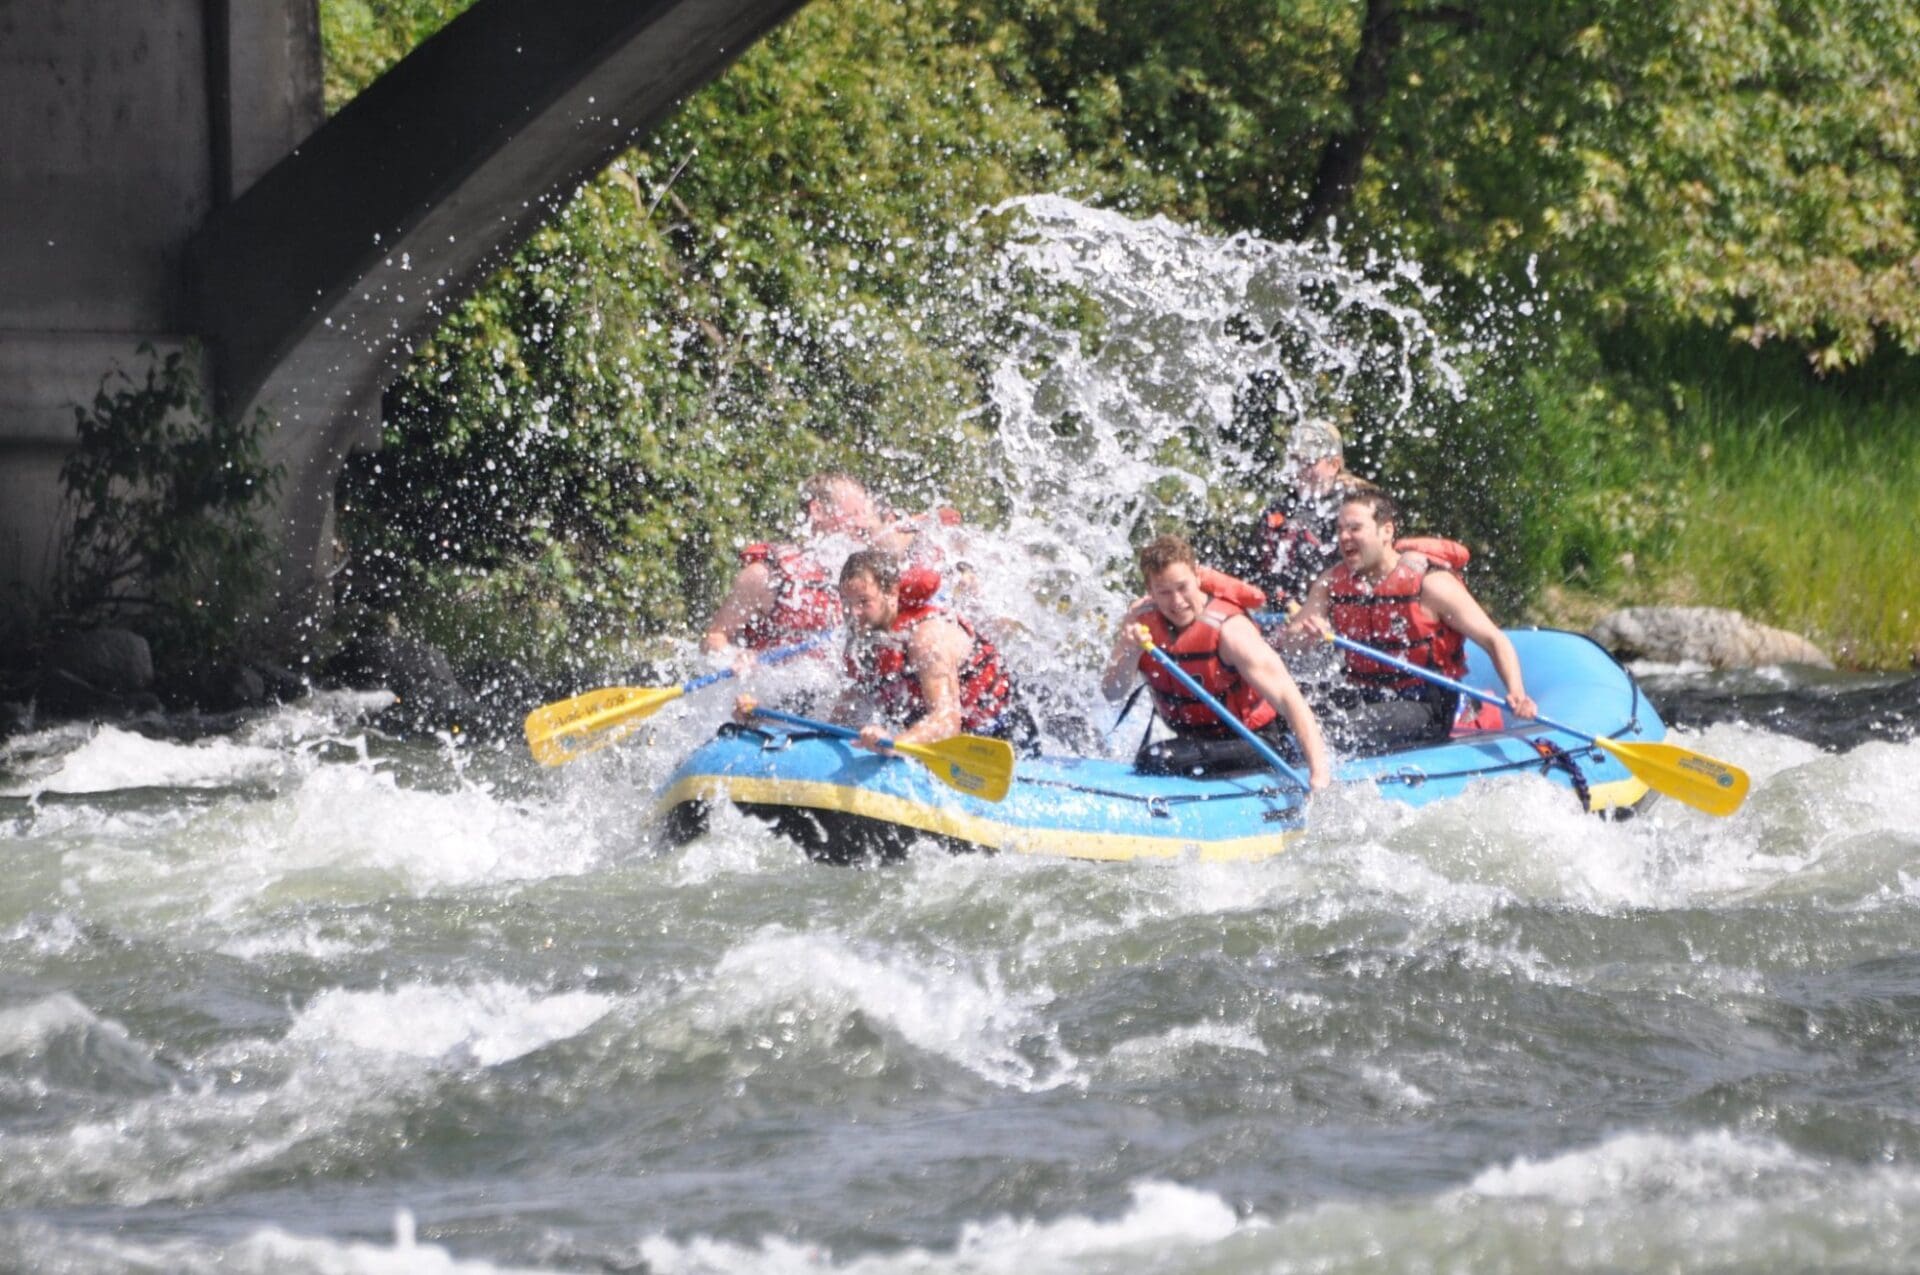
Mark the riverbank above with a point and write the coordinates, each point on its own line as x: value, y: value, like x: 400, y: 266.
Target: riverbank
x: 1734, y: 478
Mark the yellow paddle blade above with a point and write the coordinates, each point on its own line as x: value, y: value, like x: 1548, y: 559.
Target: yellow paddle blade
x: 973, y: 764
x: 558, y: 733
x: 1703, y: 782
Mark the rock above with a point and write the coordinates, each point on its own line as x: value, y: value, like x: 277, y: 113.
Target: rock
x: 220, y: 688
x: 283, y: 685
x: 431, y: 697
x: 101, y: 673
x: 60, y: 694
x: 110, y: 661
x: 1713, y: 636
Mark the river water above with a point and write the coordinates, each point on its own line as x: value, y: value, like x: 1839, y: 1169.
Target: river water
x: 296, y: 997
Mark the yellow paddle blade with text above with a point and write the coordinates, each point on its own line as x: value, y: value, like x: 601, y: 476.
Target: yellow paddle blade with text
x: 558, y: 733
x: 1703, y: 782
x: 972, y: 764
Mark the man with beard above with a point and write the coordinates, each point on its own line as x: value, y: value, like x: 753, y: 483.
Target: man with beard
x: 1296, y: 533
x: 1404, y: 598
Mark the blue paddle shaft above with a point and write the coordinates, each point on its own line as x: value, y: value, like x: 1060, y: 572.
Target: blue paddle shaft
x: 1441, y: 679
x: 777, y: 655
x: 1239, y: 727
x: 825, y: 728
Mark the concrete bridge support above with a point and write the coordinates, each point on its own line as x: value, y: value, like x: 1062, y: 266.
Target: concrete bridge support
x: 124, y: 126
x: 174, y: 184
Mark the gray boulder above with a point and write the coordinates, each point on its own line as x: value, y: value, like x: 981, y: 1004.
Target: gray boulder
x: 1714, y: 636
x: 111, y: 661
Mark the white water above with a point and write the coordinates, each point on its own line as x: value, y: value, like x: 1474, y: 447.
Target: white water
x: 301, y: 998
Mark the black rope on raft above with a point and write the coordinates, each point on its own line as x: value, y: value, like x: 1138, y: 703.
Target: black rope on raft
x: 1551, y: 756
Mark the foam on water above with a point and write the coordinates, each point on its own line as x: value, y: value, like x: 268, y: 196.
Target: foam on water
x: 1168, y: 1053
x: 1711, y: 1201
x: 1646, y: 1167
x: 113, y: 760
x: 349, y: 1065
x: 270, y: 1251
x: 1635, y: 1201
x: 963, y: 1012
x: 336, y: 831
x: 1163, y: 1228
x: 319, y: 716
x: 57, y: 1056
x: 481, y: 1025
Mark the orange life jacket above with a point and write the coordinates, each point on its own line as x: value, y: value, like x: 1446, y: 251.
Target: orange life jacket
x: 1197, y: 650
x: 805, y: 599
x: 1218, y: 584
x: 877, y: 663
x: 1389, y: 617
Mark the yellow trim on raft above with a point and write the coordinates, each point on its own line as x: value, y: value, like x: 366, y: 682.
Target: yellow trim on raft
x: 995, y: 835
x: 980, y: 831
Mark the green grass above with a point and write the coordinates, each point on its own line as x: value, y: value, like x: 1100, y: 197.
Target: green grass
x: 1759, y: 487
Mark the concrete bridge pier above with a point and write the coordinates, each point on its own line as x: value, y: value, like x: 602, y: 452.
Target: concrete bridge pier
x: 125, y: 126
x: 166, y: 174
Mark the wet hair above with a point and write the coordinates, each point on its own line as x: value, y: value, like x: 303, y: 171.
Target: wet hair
x: 877, y: 565
x: 1164, y: 551
x: 1384, y: 509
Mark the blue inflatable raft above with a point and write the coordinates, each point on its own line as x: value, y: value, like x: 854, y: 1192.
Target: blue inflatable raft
x: 841, y: 803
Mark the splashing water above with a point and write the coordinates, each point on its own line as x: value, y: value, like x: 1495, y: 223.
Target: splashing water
x: 1143, y: 370
x: 305, y: 998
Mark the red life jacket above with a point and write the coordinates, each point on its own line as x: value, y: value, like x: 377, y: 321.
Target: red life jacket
x: 877, y: 663
x: 805, y: 599
x: 1298, y: 535
x: 1292, y: 542
x: 1218, y: 584
x: 1197, y: 650
x: 1389, y: 618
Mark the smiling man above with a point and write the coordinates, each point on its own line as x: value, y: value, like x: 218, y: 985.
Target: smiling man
x: 1404, y: 598
x: 1213, y: 640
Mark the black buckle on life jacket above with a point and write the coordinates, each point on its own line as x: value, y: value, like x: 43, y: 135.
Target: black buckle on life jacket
x: 1552, y: 755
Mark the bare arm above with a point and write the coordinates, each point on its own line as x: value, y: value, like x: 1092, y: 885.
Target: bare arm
x: 934, y: 654
x: 1242, y: 647
x: 1443, y: 594
x: 750, y: 597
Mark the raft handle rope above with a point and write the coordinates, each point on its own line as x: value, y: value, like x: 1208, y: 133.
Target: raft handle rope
x: 1552, y: 756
